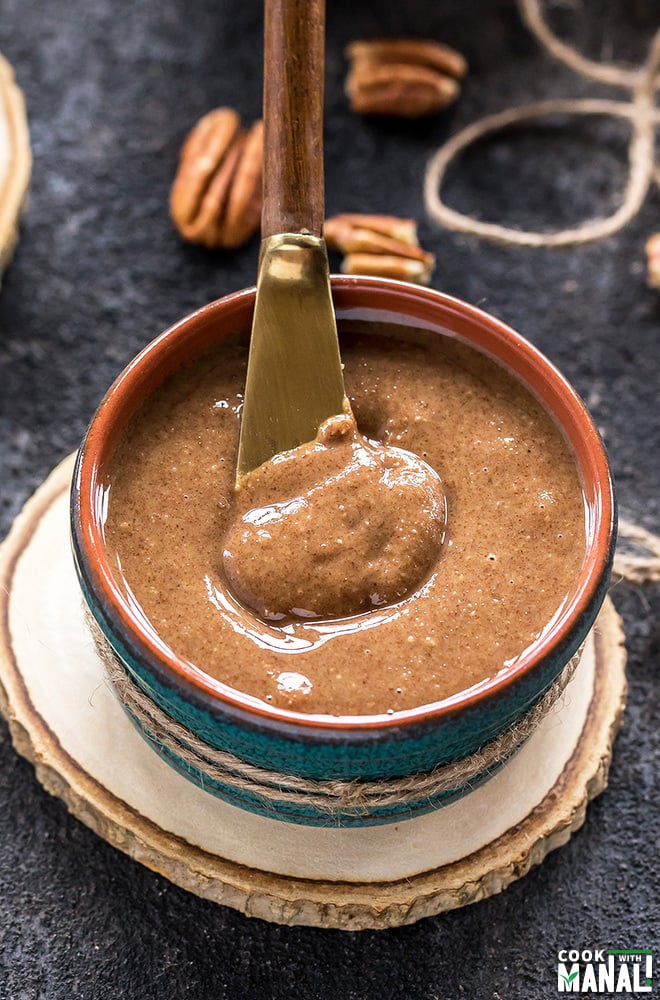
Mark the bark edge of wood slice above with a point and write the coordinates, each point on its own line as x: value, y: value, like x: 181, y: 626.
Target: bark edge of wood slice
x: 292, y: 900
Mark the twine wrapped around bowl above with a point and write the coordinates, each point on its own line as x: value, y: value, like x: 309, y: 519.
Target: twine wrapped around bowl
x: 310, y: 800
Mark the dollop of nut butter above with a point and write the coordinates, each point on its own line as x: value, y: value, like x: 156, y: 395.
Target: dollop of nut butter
x: 334, y: 528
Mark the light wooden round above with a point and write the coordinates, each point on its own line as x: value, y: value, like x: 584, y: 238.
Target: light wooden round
x: 65, y: 719
x: 15, y: 160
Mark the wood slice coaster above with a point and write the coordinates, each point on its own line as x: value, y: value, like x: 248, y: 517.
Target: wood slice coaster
x: 65, y: 719
x: 15, y: 160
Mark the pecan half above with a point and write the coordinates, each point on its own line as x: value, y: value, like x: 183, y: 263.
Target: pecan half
x: 379, y: 245
x: 405, y: 77
x: 424, y: 52
x: 387, y: 266
x: 404, y: 230
x: 216, y: 195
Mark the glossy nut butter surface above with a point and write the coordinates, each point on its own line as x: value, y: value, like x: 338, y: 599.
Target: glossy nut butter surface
x: 338, y: 580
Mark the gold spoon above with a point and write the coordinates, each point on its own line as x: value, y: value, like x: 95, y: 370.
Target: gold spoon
x: 294, y: 377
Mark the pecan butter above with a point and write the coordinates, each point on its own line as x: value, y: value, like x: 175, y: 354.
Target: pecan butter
x: 365, y: 593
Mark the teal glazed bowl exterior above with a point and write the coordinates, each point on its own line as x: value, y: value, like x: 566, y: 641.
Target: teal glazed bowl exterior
x: 325, y: 747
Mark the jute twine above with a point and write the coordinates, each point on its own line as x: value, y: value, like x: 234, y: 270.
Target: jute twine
x: 331, y: 797
x: 638, y: 560
x: 641, y: 83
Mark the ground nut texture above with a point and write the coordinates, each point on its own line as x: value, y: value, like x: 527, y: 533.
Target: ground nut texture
x: 363, y: 601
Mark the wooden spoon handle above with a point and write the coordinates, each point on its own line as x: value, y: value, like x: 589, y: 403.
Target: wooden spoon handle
x: 294, y: 58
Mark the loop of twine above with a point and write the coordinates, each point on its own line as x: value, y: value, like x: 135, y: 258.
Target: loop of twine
x: 332, y: 798
x: 642, y: 83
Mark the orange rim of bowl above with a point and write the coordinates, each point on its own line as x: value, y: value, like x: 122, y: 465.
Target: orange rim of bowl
x: 429, y: 309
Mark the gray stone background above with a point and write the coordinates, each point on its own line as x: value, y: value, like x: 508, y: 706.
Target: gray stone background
x: 112, y: 87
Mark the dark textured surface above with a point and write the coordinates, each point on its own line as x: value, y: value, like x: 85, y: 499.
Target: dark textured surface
x: 112, y: 87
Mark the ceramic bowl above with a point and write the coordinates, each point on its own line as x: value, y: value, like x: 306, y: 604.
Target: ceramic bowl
x: 329, y: 747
